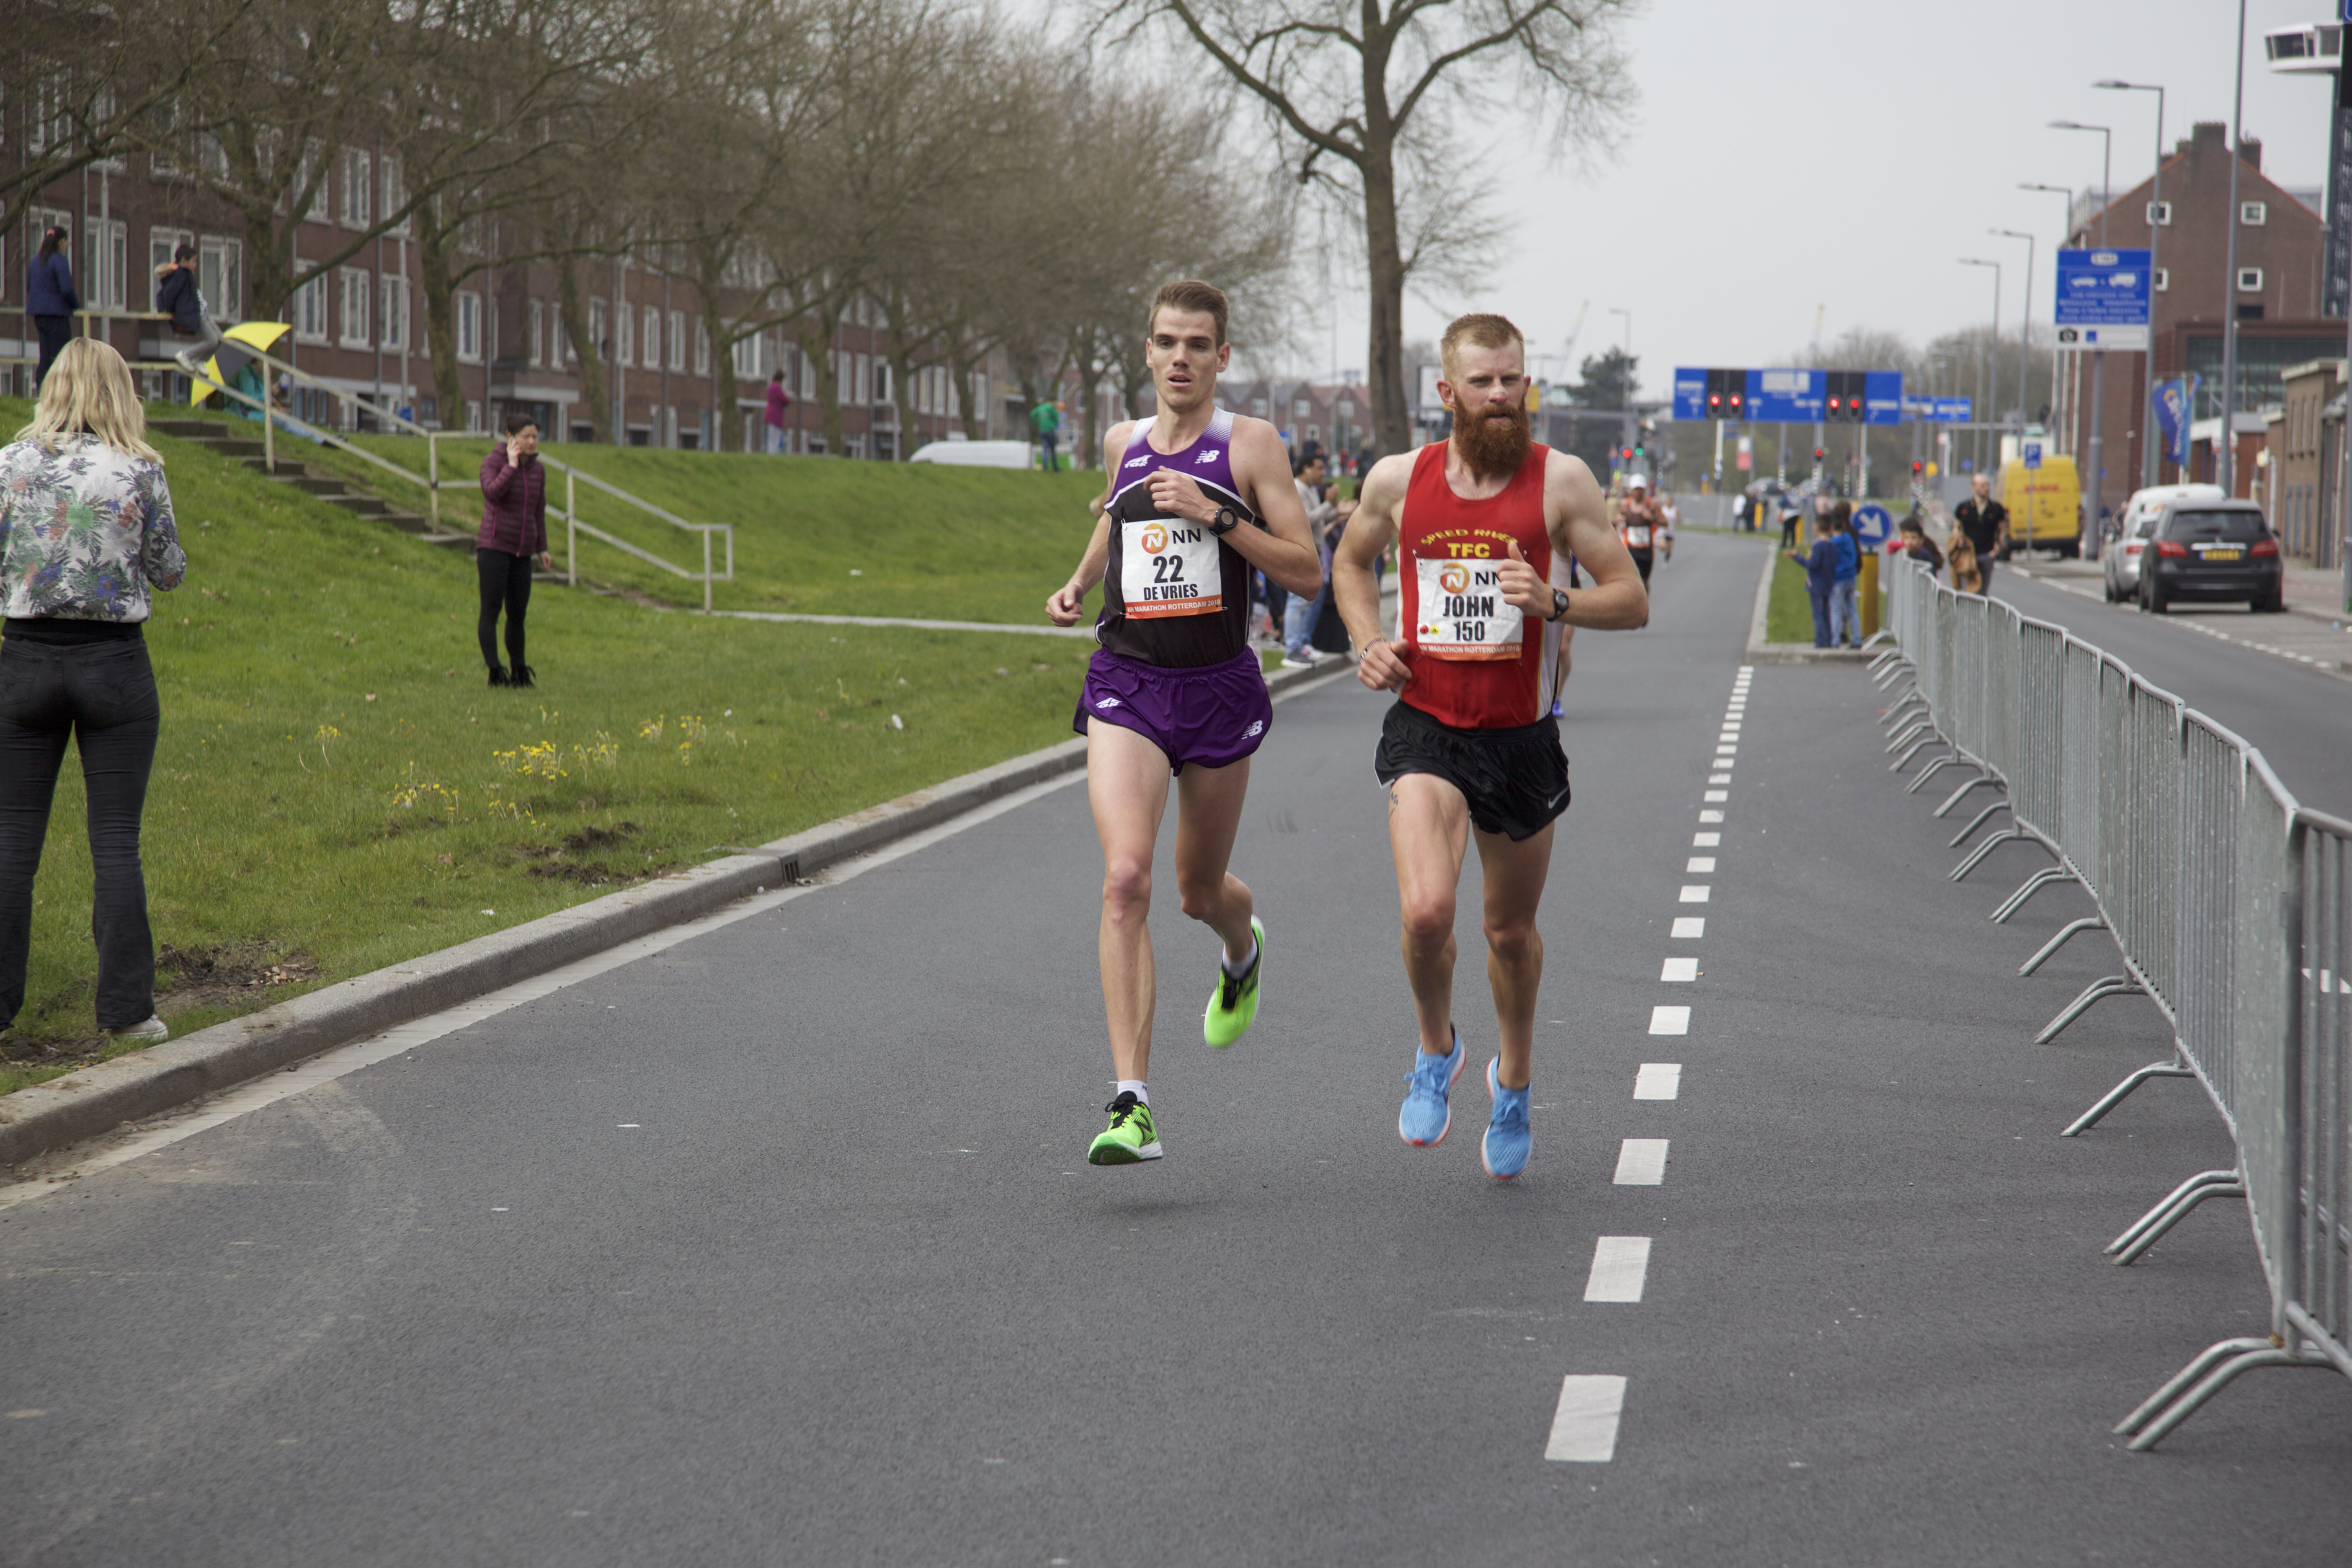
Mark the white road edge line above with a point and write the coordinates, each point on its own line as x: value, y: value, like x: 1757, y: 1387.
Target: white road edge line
x: 1641, y: 1163
x: 1584, y: 1427
x: 342, y: 1060
x: 1621, y: 1266
x: 1658, y: 1080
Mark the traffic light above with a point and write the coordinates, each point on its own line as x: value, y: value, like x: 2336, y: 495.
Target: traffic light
x: 1818, y: 455
x: 1918, y: 469
x: 1727, y: 394
x: 1626, y: 455
x: 1845, y: 396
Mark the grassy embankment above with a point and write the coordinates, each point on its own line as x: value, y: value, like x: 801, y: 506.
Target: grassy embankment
x: 336, y: 788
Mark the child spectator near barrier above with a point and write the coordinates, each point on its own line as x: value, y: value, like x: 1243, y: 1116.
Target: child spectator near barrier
x: 1912, y: 539
x: 1821, y: 578
x: 50, y: 301
x: 86, y: 533
x: 514, y: 529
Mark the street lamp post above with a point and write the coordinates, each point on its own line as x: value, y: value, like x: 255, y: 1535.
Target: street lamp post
x: 2148, y: 461
x: 2025, y: 322
x: 2055, y: 399
x: 1991, y: 389
x: 2227, y: 447
x: 2098, y: 357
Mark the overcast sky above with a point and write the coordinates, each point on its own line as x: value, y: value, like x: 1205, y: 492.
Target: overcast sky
x: 1842, y: 153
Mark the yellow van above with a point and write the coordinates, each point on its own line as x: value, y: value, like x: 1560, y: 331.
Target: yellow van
x: 2046, y: 505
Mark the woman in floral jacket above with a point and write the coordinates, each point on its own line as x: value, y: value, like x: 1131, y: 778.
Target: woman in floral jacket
x: 85, y: 533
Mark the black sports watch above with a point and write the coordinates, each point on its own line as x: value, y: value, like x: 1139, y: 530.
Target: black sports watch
x: 1558, y: 604
x: 1225, y: 522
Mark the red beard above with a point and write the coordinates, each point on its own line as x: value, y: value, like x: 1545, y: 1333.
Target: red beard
x: 1494, y: 441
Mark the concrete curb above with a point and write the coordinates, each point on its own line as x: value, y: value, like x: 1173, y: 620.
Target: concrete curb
x: 1762, y: 652
x: 89, y: 1101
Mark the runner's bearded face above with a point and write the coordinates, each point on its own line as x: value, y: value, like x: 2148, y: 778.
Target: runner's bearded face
x: 1493, y: 438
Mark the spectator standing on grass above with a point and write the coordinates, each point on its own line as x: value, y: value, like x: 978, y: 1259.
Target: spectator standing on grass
x: 1820, y: 566
x: 513, y: 532
x: 1047, y: 418
x: 1298, y: 616
x: 1986, y: 523
x: 177, y: 295
x: 778, y: 401
x: 50, y: 299
x: 86, y: 532
x: 1846, y: 621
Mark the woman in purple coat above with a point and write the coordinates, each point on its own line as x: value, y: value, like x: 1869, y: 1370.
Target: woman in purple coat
x: 514, y: 531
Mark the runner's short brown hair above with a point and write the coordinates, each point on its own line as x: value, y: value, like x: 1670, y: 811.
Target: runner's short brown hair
x: 1486, y: 331
x: 1193, y: 297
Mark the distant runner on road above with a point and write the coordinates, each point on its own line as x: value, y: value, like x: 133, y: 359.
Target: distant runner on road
x: 1642, y: 523
x: 1472, y: 743
x: 1197, y: 497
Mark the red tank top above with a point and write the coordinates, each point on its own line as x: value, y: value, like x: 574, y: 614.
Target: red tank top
x: 1478, y: 663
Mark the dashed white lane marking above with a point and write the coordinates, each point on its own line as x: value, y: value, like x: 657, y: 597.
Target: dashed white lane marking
x: 1658, y: 1080
x: 1670, y: 1020
x: 1689, y: 926
x: 1584, y: 1427
x: 1700, y: 864
x: 1694, y: 893
x: 1718, y: 778
x: 1680, y: 968
x: 1716, y: 796
x: 1707, y: 840
x: 1621, y: 1266
x: 1710, y: 817
x: 1641, y: 1163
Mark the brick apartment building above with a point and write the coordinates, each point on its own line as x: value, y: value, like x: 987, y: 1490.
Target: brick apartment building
x: 2276, y: 297
x: 359, y: 329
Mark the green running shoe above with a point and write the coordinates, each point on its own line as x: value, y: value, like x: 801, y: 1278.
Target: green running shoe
x: 1130, y: 1137
x: 1233, y: 1005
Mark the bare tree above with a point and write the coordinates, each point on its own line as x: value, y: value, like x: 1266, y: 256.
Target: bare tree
x: 1367, y: 94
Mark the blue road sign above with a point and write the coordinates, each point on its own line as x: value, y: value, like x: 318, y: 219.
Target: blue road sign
x: 1957, y: 410
x: 1882, y: 398
x: 1954, y: 410
x: 2103, y: 299
x: 1788, y: 397
x: 2032, y: 453
x: 1872, y: 525
x: 1690, y: 395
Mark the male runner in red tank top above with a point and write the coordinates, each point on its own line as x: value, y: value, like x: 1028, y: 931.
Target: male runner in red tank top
x: 1474, y: 739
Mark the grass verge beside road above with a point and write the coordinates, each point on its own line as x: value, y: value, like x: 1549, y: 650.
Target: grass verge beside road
x: 1788, y: 612
x: 336, y: 788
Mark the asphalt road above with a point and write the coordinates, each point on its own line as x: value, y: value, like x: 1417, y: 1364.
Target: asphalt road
x: 778, y: 1246
x: 2301, y: 716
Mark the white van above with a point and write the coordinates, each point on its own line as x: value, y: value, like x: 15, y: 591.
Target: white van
x: 2119, y: 561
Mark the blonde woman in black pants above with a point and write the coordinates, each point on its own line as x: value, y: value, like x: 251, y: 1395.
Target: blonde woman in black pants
x: 514, y: 529
x: 86, y: 533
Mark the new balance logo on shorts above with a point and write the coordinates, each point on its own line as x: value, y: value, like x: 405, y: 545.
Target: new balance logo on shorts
x: 1257, y: 727
x: 1108, y: 702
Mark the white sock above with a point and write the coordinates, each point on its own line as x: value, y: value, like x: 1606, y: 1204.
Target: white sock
x: 1133, y: 1086
x: 1237, y: 968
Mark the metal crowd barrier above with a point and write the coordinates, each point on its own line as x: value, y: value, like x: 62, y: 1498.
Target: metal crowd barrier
x: 2230, y: 906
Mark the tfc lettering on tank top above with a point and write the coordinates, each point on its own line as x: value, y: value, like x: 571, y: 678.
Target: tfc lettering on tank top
x: 1174, y: 594
x: 1478, y: 664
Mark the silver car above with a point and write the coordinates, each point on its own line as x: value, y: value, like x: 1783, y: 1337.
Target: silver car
x: 2132, y: 534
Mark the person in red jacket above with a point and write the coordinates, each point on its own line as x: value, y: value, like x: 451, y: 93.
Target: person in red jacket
x: 514, y: 529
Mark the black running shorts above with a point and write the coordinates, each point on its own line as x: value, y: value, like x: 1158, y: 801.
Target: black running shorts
x: 1514, y: 780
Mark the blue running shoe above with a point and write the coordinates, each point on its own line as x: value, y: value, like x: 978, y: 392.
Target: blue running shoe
x: 1505, y: 1151
x: 1426, y: 1118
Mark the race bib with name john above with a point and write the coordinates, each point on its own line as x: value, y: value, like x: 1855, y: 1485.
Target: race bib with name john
x: 1462, y: 612
x: 1169, y: 567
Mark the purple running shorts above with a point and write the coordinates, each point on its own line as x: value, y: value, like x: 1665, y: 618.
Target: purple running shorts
x: 1213, y: 714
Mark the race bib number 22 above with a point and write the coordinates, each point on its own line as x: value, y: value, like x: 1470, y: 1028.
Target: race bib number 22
x: 1462, y: 612
x: 1170, y: 568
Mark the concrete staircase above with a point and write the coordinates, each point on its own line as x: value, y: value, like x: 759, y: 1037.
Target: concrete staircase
x: 226, y: 441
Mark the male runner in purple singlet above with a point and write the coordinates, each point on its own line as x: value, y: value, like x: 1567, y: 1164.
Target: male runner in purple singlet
x: 1197, y: 498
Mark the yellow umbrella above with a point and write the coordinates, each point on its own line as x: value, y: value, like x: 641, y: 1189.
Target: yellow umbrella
x: 231, y: 357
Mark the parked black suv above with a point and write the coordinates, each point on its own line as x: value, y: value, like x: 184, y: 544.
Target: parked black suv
x: 2209, y: 548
